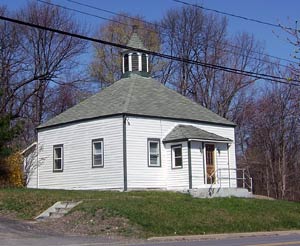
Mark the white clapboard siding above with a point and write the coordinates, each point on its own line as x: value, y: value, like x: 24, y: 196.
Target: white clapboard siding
x: 139, y: 174
x: 222, y: 164
x: 178, y: 178
x: 139, y: 129
x: 77, y: 142
x: 79, y: 174
x: 197, y: 165
x: 30, y: 167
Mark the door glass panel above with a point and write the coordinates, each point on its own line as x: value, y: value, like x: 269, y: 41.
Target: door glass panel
x: 210, y: 163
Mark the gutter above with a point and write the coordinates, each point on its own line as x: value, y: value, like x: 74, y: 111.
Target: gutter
x: 45, y: 126
x: 198, y: 140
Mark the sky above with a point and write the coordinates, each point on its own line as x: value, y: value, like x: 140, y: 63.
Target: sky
x: 284, y: 12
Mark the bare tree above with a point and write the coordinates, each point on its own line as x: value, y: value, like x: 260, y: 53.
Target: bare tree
x: 33, y: 61
x: 293, y: 39
x: 192, y: 34
x: 49, y: 54
x: 273, y: 149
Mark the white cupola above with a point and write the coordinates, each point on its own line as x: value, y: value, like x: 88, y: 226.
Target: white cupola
x: 134, y: 61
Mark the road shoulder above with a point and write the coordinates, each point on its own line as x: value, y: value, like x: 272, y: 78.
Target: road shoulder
x: 223, y: 236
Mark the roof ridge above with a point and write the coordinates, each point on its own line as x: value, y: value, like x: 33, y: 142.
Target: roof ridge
x: 125, y: 108
x: 193, y: 102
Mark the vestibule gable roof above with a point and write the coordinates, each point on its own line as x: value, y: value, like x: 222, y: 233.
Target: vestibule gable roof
x: 188, y: 132
x: 141, y: 96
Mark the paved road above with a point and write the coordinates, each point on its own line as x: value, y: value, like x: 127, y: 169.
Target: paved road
x: 245, y: 241
x: 16, y: 233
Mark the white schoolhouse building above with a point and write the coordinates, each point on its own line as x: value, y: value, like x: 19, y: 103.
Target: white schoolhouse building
x: 135, y: 134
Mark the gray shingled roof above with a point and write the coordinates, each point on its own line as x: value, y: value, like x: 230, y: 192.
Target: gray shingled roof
x: 135, y: 42
x: 185, y: 132
x: 137, y: 95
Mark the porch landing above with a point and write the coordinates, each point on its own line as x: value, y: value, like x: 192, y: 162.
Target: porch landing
x: 220, y: 192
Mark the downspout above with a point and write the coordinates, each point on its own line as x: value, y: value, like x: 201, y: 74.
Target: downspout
x: 124, y: 152
x: 190, y: 165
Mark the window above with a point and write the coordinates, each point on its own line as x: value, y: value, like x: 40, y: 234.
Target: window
x: 97, y: 153
x: 144, y: 63
x: 58, y: 153
x: 135, y: 62
x: 154, y: 152
x: 176, y: 156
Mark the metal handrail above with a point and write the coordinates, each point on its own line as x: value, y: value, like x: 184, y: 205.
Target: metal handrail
x: 247, y: 181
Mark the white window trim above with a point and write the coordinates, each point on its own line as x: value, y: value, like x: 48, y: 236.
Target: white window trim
x: 100, y: 140
x: 140, y: 60
x: 129, y: 62
x: 173, y: 147
x: 147, y: 60
x: 58, y: 146
x: 154, y: 140
x: 123, y: 64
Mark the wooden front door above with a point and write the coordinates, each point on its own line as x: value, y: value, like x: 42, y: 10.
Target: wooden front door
x: 210, y: 163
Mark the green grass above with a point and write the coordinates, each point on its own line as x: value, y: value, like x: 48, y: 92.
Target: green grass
x: 164, y: 213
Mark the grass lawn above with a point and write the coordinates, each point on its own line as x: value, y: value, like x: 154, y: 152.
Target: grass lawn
x: 163, y: 213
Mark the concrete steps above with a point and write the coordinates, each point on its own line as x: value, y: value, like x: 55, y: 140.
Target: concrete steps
x: 220, y: 192
x: 57, y: 210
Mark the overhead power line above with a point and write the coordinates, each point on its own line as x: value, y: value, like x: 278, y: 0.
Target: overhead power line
x: 163, y: 33
x: 234, y: 15
x: 114, y: 13
x: 82, y: 12
x: 175, y: 58
x: 92, y: 15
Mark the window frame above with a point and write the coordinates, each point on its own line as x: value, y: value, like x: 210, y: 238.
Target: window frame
x: 126, y: 63
x: 98, y: 140
x: 61, y: 146
x: 135, y: 62
x: 153, y: 140
x: 173, y: 156
x: 144, y: 63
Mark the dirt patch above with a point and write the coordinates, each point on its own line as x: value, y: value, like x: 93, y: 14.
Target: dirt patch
x: 8, y: 214
x: 81, y: 223
x: 263, y: 197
